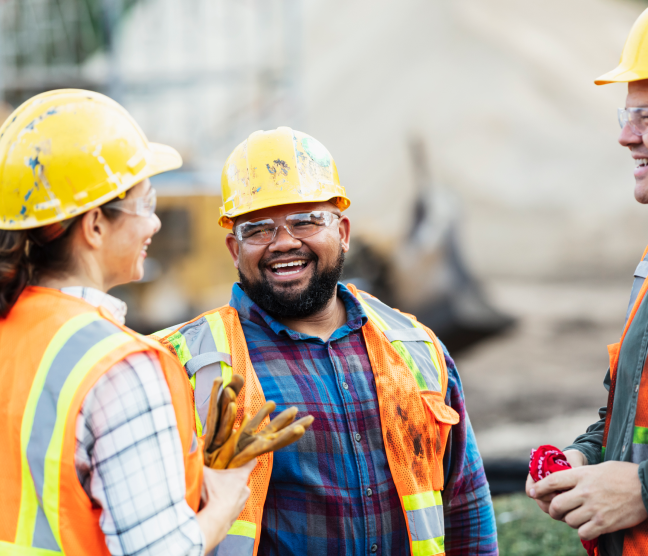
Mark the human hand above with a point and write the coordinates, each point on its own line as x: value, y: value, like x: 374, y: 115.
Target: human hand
x: 224, y: 493
x: 594, y: 499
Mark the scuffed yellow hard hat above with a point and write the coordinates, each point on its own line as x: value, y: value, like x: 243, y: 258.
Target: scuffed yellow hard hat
x: 65, y: 152
x: 278, y: 167
x: 634, y: 59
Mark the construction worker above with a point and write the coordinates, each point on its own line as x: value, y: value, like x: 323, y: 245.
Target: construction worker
x: 390, y: 465
x: 606, y: 494
x: 98, y: 449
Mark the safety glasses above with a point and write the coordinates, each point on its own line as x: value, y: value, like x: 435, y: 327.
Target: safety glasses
x: 142, y: 206
x: 299, y: 225
x: 636, y: 118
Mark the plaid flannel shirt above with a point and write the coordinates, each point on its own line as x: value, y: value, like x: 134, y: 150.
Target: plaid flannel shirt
x: 332, y: 492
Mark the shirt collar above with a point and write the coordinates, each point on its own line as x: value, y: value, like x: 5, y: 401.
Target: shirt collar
x: 97, y: 298
x: 248, y: 310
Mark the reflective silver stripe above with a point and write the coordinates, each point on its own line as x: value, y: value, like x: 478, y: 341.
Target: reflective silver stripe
x: 408, y: 335
x: 415, y: 339
x: 640, y: 275
x: 426, y: 523
x: 203, y: 349
x: 235, y: 545
x: 43, y: 536
x: 45, y: 417
x: 208, y: 358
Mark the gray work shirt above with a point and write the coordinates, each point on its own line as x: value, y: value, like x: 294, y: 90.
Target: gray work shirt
x: 619, y: 444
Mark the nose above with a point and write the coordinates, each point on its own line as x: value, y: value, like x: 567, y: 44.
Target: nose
x: 628, y: 138
x: 157, y: 223
x: 283, y: 241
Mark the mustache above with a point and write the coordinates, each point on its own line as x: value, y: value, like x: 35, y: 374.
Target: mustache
x: 294, y: 253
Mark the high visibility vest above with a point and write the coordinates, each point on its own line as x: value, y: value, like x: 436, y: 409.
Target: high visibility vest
x: 411, y: 382
x: 635, y: 542
x: 54, y: 349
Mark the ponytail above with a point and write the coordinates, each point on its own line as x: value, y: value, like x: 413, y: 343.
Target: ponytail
x: 14, y: 267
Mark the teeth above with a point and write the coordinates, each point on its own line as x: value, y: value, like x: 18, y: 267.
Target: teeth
x: 641, y: 162
x: 293, y: 263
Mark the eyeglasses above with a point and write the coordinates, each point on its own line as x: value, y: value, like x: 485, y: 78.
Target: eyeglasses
x: 637, y: 118
x: 141, y: 206
x: 299, y: 225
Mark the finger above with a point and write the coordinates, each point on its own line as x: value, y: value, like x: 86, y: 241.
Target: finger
x: 528, y: 487
x: 225, y: 428
x: 212, y: 414
x: 236, y: 383
x: 544, y: 506
x: 564, y: 503
x: 565, y: 480
x: 282, y: 420
x: 589, y: 531
x: 256, y: 421
x: 227, y: 451
x: 578, y: 517
x: 227, y: 397
x: 269, y: 443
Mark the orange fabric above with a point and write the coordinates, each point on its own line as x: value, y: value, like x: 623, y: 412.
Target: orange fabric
x: 415, y: 424
x: 24, y: 336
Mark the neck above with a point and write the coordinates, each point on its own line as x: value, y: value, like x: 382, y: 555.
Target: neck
x: 87, y: 274
x: 321, y: 324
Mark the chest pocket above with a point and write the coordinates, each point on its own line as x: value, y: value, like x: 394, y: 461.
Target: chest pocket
x: 421, y: 356
x: 203, y: 348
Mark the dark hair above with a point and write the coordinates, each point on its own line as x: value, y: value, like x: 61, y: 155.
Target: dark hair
x: 27, y: 255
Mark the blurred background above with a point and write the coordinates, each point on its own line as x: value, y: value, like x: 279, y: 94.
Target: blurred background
x: 490, y: 196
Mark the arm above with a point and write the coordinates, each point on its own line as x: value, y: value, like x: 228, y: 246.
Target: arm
x: 129, y: 461
x: 468, y: 509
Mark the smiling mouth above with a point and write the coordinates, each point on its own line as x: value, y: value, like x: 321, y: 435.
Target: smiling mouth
x: 641, y: 162
x: 286, y: 269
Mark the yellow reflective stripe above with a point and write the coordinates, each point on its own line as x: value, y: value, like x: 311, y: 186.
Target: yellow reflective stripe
x: 9, y: 549
x: 373, y: 315
x: 422, y: 500
x: 217, y: 328
x: 52, y: 476
x: 432, y: 347
x: 179, y: 343
x: 428, y: 547
x: 28, y: 499
x: 243, y: 529
x: 199, y: 427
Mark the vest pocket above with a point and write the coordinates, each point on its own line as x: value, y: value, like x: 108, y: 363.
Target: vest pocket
x: 441, y: 418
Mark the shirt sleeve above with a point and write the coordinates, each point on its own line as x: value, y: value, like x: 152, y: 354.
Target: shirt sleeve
x: 591, y: 442
x: 470, y: 528
x: 129, y: 461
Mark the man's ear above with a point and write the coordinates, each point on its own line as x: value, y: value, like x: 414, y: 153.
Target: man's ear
x: 233, y: 248
x: 344, y: 228
x: 94, y: 228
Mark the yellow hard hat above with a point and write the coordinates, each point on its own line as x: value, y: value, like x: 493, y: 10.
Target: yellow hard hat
x: 634, y: 59
x: 65, y: 152
x: 278, y: 167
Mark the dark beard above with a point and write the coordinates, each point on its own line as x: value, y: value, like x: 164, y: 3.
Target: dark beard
x: 283, y: 303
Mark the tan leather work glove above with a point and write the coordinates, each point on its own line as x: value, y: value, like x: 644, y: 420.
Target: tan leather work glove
x: 227, y: 449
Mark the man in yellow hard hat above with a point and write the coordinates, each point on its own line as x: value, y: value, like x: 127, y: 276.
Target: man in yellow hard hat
x: 606, y: 494
x: 390, y: 465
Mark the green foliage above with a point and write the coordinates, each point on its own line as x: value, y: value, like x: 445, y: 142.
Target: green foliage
x: 524, y: 530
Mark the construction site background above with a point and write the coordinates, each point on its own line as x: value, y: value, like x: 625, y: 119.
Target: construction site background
x: 486, y: 182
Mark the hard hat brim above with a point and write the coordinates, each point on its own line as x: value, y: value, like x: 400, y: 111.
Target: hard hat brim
x: 164, y: 158
x: 340, y: 201
x: 620, y: 74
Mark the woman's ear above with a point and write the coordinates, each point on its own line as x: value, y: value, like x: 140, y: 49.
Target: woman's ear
x: 93, y: 228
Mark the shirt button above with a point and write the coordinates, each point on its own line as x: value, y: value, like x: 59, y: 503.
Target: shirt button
x: 623, y: 449
x: 369, y: 492
x: 374, y: 547
x: 345, y: 386
x: 637, y: 388
x: 358, y: 437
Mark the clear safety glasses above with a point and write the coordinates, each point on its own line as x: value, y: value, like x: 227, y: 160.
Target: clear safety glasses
x: 299, y: 225
x: 636, y: 118
x: 142, y: 206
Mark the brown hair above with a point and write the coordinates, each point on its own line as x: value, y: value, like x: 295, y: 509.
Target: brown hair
x: 27, y: 255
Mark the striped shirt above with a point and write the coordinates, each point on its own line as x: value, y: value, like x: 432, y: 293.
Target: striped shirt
x: 332, y: 492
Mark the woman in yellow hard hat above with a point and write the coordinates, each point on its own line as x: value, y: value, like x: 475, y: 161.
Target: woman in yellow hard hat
x: 97, y: 440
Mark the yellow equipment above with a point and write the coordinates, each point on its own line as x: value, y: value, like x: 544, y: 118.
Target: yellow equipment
x: 634, y: 59
x: 278, y: 167
x: 65, y: 152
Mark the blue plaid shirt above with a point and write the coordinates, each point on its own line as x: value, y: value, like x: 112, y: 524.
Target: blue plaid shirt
x: 332, y: 492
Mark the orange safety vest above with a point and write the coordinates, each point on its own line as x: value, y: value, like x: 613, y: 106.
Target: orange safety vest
x: 54, y: 349
x: 411, y: 382
x: 635, y: 542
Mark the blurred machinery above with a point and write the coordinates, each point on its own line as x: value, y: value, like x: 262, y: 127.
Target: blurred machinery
x: 200, y: 75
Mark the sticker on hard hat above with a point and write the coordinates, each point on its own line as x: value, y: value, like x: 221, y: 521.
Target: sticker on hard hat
x: 316, y: 151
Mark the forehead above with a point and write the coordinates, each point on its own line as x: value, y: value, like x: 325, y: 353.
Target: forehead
x: 284, y: 210
x: 637, y: 94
